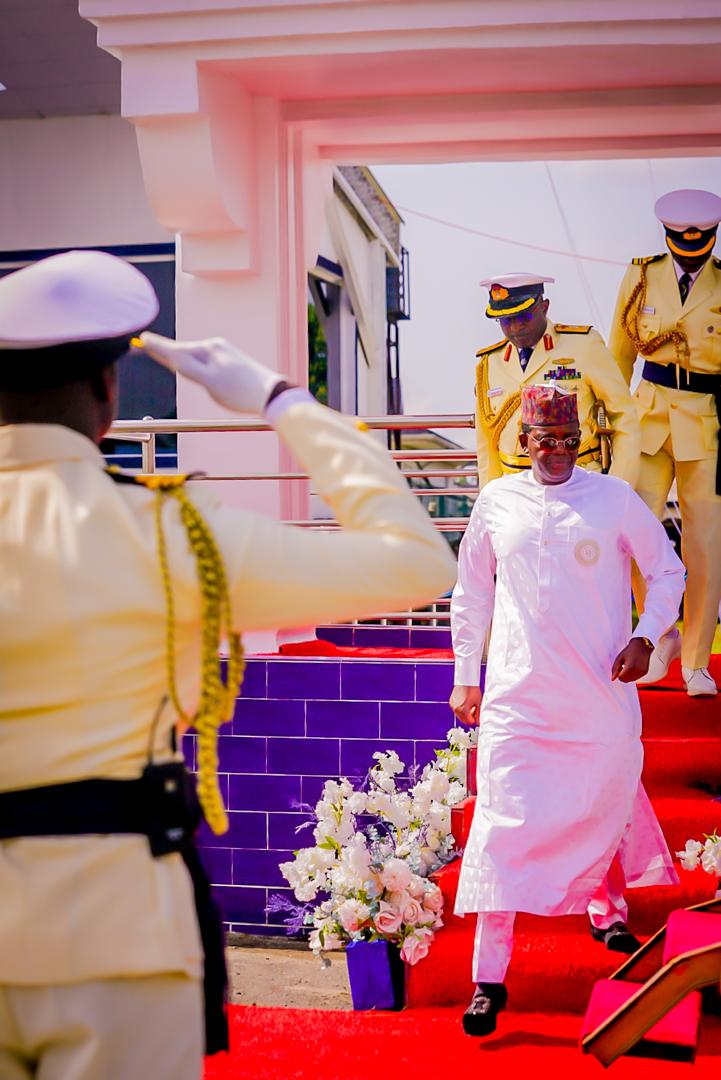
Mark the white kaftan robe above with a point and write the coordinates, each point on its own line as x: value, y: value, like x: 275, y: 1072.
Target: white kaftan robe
x: 560, y: 754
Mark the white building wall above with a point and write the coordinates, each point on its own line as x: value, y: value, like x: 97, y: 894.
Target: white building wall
x: 73, y: 181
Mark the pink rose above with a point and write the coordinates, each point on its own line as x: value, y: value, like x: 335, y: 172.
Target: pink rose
x: 413, y: 913
x: 388, y: 920
x: 352, y: 914
x: 433, y: 901
x: 417, y: 888
x: 416, y: 946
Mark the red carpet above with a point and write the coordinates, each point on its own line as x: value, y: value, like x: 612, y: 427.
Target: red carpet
x: 428, y: 1044
x: 555, y: 961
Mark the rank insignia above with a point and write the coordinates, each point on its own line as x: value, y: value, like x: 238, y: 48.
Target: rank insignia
x: 561, y: 374
x: 547, y: 342
x: 507, y: 353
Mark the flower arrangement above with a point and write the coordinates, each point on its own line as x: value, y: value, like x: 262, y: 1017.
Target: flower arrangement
x: 707, y: 855
x: 366, y: 878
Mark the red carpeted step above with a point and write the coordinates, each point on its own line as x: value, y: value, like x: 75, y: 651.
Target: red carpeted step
x: 686, y: 814
x: 690, y: 761
x: 649, y: 909
x: 555, y: 963
x: 309, y: 1044
x: 669, y: 712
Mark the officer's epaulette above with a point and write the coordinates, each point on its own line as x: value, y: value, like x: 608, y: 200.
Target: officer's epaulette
x: 491, y: 348
x: 644, y: 260
x: 564, y: 328
x: 156, y: 482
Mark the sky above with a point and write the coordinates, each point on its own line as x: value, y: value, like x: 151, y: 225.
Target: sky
x: 578, y: 211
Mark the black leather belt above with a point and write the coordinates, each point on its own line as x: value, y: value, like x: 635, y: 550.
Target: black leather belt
x: 162, y: 805
x: 694, y: 382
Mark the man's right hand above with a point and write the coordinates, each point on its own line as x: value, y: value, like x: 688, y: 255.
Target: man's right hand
x: 233, y: 379
x: 466, y: 704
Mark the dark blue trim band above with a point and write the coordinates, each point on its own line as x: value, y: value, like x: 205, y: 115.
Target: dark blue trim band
x: 123, y: 251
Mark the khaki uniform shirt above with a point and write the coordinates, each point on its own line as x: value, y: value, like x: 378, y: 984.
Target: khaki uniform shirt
x: 83, y: 669
x: 578, y: 359
x: 689, y: 418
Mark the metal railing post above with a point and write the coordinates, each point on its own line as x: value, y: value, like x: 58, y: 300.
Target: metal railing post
x: 148, y: 450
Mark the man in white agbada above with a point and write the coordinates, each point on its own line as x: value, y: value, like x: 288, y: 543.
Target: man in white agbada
x: 562, y: 823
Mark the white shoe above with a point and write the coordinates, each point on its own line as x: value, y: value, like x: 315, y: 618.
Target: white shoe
x: 668, y: 648
x: 699, y: 682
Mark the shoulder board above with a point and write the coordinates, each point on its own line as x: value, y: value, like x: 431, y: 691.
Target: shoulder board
x: 644, y: 260
x: 564, y: 328
x: 491, y: 348
x: 156, y: 482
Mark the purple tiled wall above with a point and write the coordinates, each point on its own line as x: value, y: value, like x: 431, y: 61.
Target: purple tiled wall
x: 297, y: 723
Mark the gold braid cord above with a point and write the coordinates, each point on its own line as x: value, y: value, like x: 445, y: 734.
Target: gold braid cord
x: 216, y: 699
x: 629, y: 321
x: 494, y: 423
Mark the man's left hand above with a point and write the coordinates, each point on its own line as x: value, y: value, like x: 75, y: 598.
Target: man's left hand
x: 632, y: 662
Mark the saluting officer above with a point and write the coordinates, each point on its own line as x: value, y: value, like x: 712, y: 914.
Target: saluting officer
x: 536, y: 350
x: 669, y: 312
x: 113, y: 597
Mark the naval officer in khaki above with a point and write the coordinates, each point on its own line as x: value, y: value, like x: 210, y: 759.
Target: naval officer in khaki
x: 669, y: 312
x: 535, y: 350
x: 100, y: 953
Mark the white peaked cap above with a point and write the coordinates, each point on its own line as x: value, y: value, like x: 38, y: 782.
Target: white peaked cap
x: 77, y: 296
x: 681, y: 209
x: 515, y: 281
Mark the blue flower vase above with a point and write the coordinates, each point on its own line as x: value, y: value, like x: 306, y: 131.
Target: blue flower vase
x: 377, y: 975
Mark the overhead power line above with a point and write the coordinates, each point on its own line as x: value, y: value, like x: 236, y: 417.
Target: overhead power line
x: 508, y: 240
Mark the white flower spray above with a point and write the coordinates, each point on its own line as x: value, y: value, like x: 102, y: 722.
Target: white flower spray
x: 707, y: 855
x: 368, y: 881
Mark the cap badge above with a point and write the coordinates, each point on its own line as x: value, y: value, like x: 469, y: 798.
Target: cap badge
x: 692, y: 234
x: 499, y: 292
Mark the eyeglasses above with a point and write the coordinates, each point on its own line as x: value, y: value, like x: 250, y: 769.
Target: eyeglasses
x: 547, y: 442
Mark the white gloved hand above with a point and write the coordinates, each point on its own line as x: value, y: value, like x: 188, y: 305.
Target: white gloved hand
x: 231, y: 378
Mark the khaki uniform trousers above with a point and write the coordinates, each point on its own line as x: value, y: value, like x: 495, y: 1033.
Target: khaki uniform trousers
x: 147, y: 1028
x: 700, y: 542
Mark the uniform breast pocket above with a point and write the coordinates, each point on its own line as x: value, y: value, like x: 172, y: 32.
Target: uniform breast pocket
x: 712, y: 339
x: 648, y: 326
x: 583, y: 550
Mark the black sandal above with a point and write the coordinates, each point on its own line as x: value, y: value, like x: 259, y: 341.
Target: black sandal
x: 617, y: 938
x: 481, y: 1015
